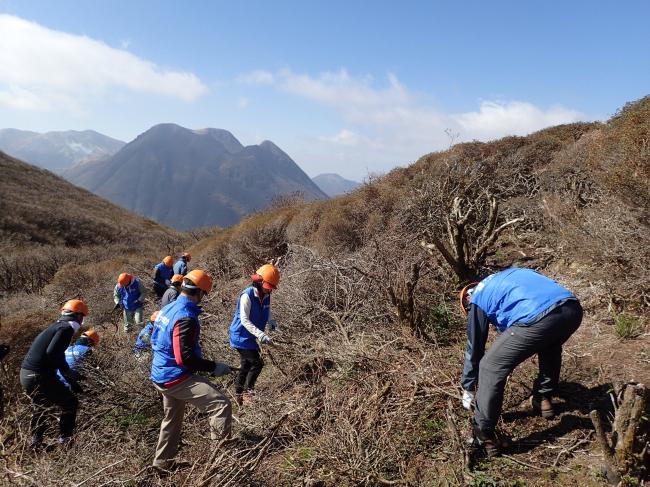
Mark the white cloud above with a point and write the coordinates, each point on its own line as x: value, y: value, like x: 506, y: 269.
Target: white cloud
x: 388, y: 124
x: 42, y: 67
x: 495, y: 119
x: 243, y: 102
x: 258, y: 77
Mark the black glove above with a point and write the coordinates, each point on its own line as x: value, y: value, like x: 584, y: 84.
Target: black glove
x: 4, y: 350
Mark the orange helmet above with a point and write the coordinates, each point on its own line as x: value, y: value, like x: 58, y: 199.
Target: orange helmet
x: 187, y: 256
x: 75, y: 306
x: 124, y: 279
x: 92, y: 335
x: 168, y: 261
x: 198, y: 279
x: 177, y: 278
x: 269, y: 275
x: 465, y: 297
x: 154, y: 315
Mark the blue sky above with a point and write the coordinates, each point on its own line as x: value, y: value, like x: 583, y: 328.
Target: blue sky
x: 347, y: 87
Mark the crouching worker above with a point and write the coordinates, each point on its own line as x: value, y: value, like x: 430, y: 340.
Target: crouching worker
x: 249, y: 325
x: 142, y: 348
x: 38, y: 374
x: 172, y: 292
x: 176, y: 359
x: 129, y: 294
x: 534, y: 315
x: 77, y: 354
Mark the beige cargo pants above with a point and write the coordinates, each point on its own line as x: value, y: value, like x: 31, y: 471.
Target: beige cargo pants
x: 202, y: 394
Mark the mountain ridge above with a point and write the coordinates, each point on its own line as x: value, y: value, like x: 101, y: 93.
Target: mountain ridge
x: 225, y: 179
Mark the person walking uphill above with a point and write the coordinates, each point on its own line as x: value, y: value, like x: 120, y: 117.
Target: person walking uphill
x: 249, y: 325
x: 534, y: 315
x: 180, y: 267
x: 129, y: 294
x: 176, y: 359
x: 38, y: 373
x: 163, y: 275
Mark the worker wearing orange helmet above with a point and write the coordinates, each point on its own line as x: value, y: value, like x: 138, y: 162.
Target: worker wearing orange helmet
x: 174, y: 289
x: 163, y: 272
x: 534, y: 315
x: 78, y: 353
x: 129, y: 294
x: 180, y: 267
x: 177, y: 357
x: 38, y: 373
x: 248, y: 326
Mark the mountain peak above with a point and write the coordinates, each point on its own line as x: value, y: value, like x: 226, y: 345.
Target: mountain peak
x: 226, y: 138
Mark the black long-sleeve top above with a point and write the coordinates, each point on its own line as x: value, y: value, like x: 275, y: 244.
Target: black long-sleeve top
x: 47, y: 353
x: 185, y: 338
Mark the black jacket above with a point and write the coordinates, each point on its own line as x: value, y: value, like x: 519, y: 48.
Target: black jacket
x: 47, y: 353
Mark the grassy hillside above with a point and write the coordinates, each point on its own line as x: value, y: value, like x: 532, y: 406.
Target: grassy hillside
x: 362, y: 388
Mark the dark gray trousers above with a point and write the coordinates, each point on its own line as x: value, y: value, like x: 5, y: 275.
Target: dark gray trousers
x: 544, y: 338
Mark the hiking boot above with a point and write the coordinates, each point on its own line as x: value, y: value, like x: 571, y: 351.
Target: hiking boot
x: 542, y: 406
x: 249, y: 397
x: 491, y: 442
x: 64, y: 442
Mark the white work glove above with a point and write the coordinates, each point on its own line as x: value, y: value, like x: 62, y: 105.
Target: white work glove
x: 468, y: 400
x: 266, y: 340
x: 220, y: 369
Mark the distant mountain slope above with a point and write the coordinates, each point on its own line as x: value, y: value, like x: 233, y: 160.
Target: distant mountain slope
x: 334, y: 185
x: 57, y: 150
x: 193, y: 178
x: 38, y: 207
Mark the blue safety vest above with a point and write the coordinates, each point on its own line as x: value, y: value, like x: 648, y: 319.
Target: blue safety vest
x: 180, y: 267
x: 518, y: 296
x: 164, y: 367
x: 143, y: 341
x: 240, y: 337
x: 74, y: 356
x: 130, y: 294
x: 164, y: 274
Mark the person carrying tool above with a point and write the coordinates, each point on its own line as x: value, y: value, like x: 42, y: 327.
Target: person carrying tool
x: 534, y: 315
x: 172, y: 293
x: 176, y: 359
x: 142, y: 347
x: 163, y: 273
x: 129, y: 294
x: 252, y: 314
x: 38, y: 374
x: 180, y: 267
x: 78, y: 353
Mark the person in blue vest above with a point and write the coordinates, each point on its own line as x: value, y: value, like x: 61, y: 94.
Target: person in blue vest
x: 129, y: 295
x: 533, y: 315
x: 177, y: 357
x: 142, y: 347
x: 77, y: 354
x: 163, y: 273
x: 180, y: 267
x: 252, y: 314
